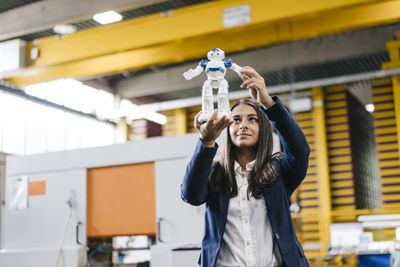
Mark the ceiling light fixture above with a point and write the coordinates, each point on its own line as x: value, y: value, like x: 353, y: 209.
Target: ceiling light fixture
x: 107, y: 17
x: 64, y: 29
x: 370, y: 107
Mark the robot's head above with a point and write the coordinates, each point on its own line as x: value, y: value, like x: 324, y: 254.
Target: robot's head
x: 216, y: 54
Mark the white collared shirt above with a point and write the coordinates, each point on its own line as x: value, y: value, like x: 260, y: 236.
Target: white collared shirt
x: 248, y: 240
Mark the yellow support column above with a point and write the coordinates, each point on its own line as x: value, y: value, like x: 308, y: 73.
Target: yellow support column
x: 396, y: 97
x: 180, y: 121
x: 394, y: 53
x: 393, y: 47
x: 176, y: 122
x: 122, y: 133
x: 322, y: 169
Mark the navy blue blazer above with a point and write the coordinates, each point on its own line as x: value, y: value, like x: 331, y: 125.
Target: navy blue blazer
x: 292, y: 170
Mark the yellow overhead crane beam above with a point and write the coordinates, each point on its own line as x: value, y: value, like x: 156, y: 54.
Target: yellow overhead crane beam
x: 190, y: 32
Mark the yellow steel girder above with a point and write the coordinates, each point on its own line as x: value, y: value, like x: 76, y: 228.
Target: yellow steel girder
x: 393, y: 47
x: 396, y: 96
x: 188, y: 33
x: 322, y: 169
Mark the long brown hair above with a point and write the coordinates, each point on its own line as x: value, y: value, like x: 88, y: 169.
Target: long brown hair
x: 265, y: 170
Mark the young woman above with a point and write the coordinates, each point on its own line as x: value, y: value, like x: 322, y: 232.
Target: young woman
x: 247, y: 220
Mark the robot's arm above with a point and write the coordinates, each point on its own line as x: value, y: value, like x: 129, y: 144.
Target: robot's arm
x: 235, y: 67
x: 191, y: 73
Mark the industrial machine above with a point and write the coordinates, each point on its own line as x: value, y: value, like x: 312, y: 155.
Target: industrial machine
x: 57, y: 203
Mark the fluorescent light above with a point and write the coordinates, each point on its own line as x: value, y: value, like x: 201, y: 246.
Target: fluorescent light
x: 381, y: 225
x: 107, y: 17
x: 156, y: 117
x: 370, y: 107
x: 64, y: 29
x: 300, y: 104
x: 133, y: 113
x: 141, y: 113
x: 378, y: 218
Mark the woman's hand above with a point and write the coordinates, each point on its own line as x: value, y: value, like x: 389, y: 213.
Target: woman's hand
x: 256, y: 85
x: 211, y: 129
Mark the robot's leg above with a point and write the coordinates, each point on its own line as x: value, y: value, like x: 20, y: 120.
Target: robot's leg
x: 207, y: 102
x: 223, y: 100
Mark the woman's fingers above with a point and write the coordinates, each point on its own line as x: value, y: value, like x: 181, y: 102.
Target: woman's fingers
x: 196, y: 120
x: 244, y: 77
x: 249, y: 71
x: 213, y: 123
x: 210, y: 130
x: 228, y: 122
x: 256, y: 85
x: 246, y: 82
x: 251, y: 79
x: 219, y: 124
x: 211, y: 120
x: 251, y: 84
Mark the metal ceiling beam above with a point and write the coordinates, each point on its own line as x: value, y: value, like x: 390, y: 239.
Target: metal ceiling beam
x: 43, y: 15
x: 265, y: 60
x: 186, y: 34
x: 278, y: 89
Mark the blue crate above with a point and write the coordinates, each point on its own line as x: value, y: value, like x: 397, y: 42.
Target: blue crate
x: 375, y: 260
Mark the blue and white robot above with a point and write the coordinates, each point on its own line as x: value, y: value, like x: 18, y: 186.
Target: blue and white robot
x: 215, y: 70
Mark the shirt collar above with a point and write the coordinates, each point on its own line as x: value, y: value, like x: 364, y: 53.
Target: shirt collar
x: 249, y: 166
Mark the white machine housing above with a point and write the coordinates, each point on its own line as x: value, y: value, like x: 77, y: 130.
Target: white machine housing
x: 32, y: 236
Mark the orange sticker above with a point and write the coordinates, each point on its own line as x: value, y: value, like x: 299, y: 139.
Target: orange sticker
x: 37, y: 188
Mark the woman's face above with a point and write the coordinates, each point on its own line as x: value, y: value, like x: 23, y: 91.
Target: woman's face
x: 244, y: 131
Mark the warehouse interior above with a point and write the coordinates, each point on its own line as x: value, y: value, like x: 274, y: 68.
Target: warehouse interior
x: 97, y: 124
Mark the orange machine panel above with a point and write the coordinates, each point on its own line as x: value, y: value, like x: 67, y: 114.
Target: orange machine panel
x: 37, y: 188
x: 121, y: 200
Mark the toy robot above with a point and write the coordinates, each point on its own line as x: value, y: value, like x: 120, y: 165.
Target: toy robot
x: 215, y: 70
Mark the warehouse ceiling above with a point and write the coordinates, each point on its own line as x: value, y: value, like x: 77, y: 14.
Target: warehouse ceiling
x: 11, y: 4
x: 41, y: 28
x: 330, y: 56
x: 145, y: 10
x: 332, y: 46
x: 303, y: 73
